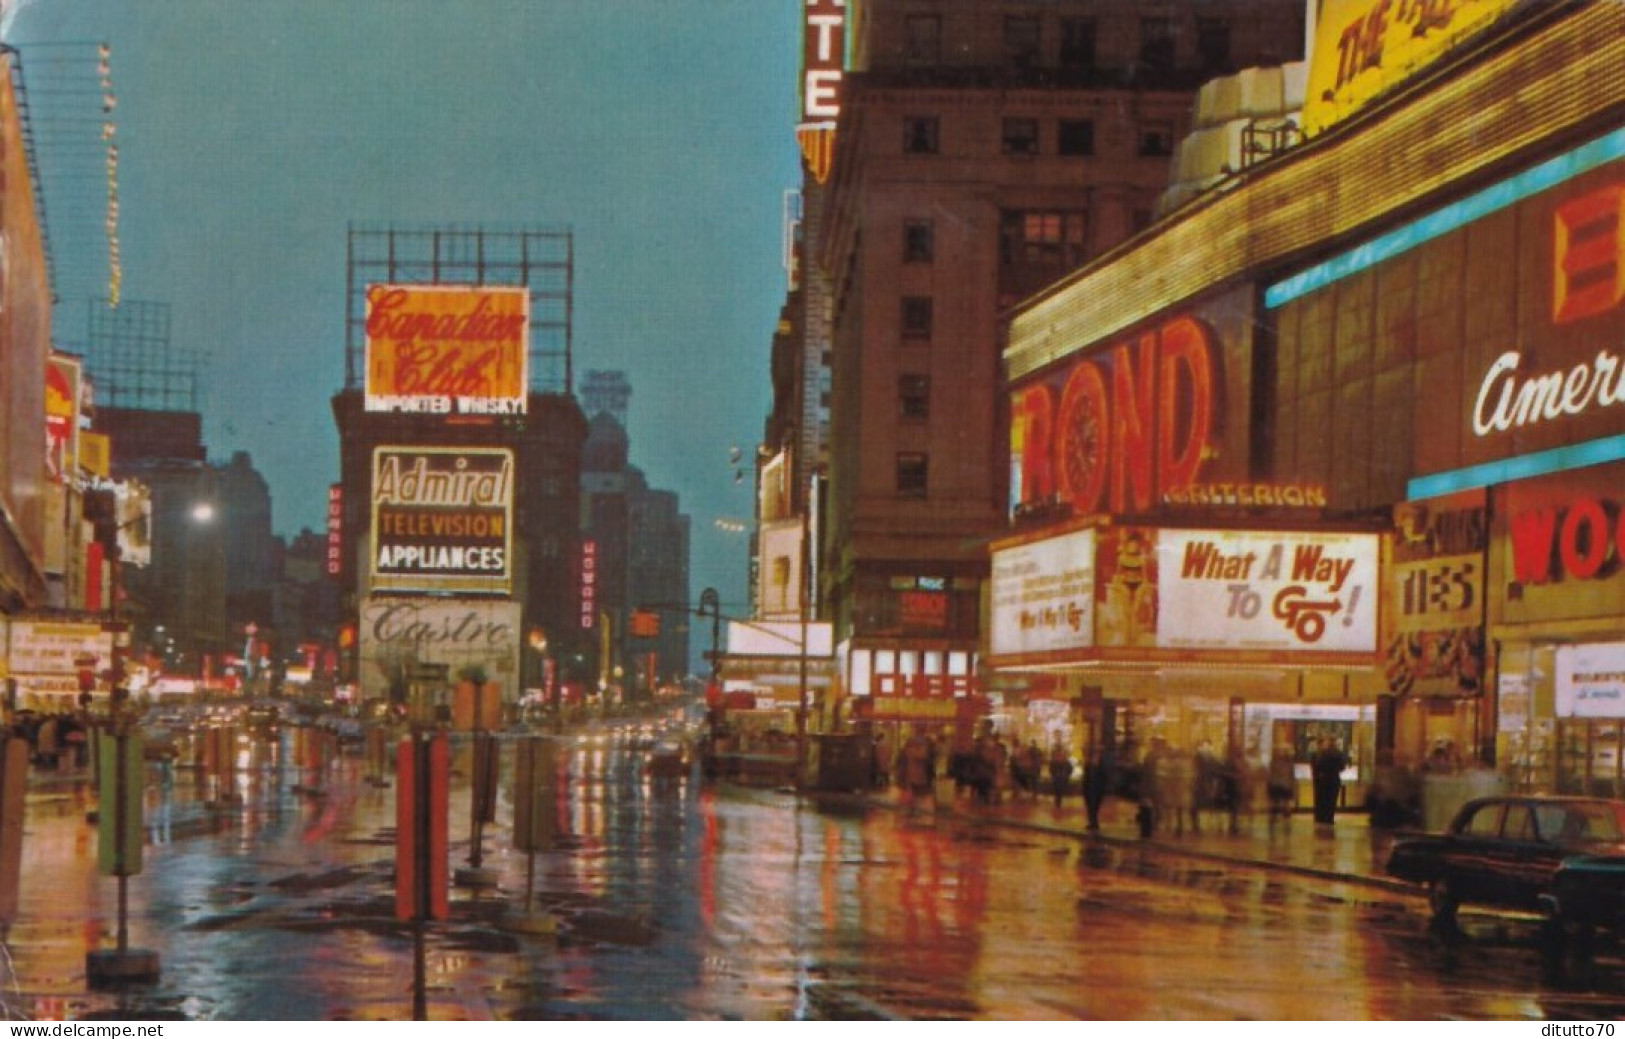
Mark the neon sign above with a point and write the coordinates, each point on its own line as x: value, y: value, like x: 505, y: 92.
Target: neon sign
x: 1129, y: 426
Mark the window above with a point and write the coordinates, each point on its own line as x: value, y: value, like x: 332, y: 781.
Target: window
x: 1157, y: 139
x: 781, y: 582
x: 1486, y: 822
x: 1021, y: 40
x: 916, y: 317
x: 1043, y: 236
x: 1075, y: 137
x: 922, y: 39
x: 914, y: 397
x: 919, y: 244
x: 1020, y: 137
x: 1157, y: 44
x: 1519, y: 825
x: 1077, y: 44
x: 911, y: 475
x: 920, y: 135
x: 1213, y: 43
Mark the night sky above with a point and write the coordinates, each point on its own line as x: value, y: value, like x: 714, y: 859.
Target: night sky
x: 251, y: 134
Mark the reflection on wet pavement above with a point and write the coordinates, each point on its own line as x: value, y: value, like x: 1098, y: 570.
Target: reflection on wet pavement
x: 670, y: 899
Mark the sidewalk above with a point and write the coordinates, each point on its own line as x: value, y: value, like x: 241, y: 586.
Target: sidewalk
x: 1352, y: 851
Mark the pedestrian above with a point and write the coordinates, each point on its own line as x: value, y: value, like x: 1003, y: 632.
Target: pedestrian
x: 1060, y: 769
x: 47, y: 745
x: 880, y: 775
x: 1152, y: 786
x: 1035, y: 768
x: 984, y: 768
x: 1282, y: 783
x: 1326, y: 771
x: 1178, y: 795
x: 914, y: 768
x: 1096, y: 781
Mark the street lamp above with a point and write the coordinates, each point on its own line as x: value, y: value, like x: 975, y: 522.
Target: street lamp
x: 202, y: 513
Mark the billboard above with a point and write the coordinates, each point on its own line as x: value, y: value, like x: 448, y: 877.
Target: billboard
x: 133, y: 511
x: 1436, y: 591
x: 46, y: 654
x: 442, y: 519
x: 1136, y: 421
x: 62, y: 379
x: 1364, y: 48
x: 1044, y: 595
x: 823, y: 59
x: 1591, y: 680
x: 396, y: 633
x: 447, y: 349
x: 1277, y: 591
x: 25, y: 303
x: 1472, y: 394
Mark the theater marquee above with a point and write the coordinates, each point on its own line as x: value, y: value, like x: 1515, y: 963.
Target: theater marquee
x: 442, y: 519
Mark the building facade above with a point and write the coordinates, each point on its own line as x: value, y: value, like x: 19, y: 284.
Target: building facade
x: 982, y: 151
x: 1383, y: 393
x: 176, y: 603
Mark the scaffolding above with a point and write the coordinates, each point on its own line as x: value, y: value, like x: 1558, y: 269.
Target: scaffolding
x: 66, y: 105
x: 131, y: 361
x: 540, y: 259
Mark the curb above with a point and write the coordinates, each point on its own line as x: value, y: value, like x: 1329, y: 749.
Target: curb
x: 1397, y: 887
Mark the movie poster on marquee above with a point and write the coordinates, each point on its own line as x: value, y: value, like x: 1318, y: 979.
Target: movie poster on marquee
x: 1126, y: 610
x: 1436, y: 594
x: 1277, y: 591
x: 1043, y: 595
x: 447, y: 349
x: 442, y: 519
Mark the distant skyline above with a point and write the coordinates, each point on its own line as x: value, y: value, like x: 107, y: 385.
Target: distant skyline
x: 660, y: 132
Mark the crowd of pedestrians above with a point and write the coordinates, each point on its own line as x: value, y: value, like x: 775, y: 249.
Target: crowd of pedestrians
x: 1172, y: 790
x: 56, y: 740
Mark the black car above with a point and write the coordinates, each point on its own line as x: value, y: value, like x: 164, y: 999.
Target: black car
x: 1560, y: 857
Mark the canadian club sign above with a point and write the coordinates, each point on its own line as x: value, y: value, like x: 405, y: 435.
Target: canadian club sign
x: 447, y: 349
x: 442, y: 519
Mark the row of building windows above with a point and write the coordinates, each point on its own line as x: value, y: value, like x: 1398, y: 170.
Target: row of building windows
x: 1021, y: 135
x: 1053, y: 236
x: 1074, y: 42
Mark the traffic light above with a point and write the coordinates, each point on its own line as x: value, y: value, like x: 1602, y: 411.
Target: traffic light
x: 645, y: 624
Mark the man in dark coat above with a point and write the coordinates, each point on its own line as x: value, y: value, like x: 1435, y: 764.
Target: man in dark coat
x: 1327, y: 772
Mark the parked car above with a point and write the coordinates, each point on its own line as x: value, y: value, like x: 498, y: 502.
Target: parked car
x: 1560, y: 857
x: 668, y: 757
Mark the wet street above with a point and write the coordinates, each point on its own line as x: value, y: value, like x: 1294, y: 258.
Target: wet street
x: 269, y: 896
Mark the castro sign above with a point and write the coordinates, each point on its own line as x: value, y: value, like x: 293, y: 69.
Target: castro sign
x: 465, y: 633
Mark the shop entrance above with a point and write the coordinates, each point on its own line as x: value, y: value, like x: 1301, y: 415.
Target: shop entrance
x: 1589, y: 759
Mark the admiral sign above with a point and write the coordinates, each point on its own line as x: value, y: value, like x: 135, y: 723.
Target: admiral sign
x: 442, y: 519
x: 447, y: 349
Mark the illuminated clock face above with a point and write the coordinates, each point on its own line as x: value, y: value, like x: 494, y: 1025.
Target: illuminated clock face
x: 1080, y: 439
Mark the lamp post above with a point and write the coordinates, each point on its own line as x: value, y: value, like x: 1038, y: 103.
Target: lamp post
x: 711, y: 603
x: 537, y: 640
x: 201, y: 513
